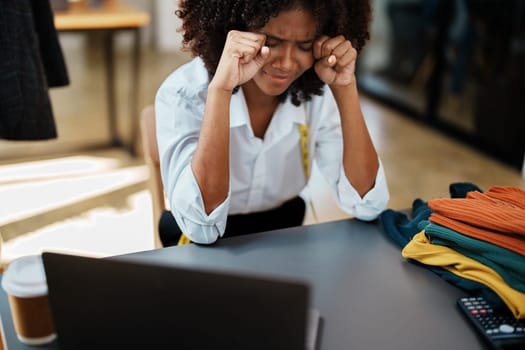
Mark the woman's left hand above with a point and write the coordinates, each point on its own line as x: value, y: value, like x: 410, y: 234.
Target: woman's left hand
x: 336, y: 59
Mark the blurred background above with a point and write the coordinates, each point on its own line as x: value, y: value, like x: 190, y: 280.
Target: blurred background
x: 440, y: 83
x: 455, y: 65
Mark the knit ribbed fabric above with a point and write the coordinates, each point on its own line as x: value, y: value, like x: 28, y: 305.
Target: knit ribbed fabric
x: 400, y: 228
x: 499, y: 209
x: 509, y: 265
x: 515, y: 243
x: 508, y: 194
x: 421, y: 250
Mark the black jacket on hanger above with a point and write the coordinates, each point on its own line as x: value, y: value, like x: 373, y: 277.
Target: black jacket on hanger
x: 31, y: 61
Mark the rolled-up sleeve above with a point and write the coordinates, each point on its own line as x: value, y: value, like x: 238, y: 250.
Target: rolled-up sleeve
x: 364, y: 208
x: 188, y: 209
x: 179, y: 112
x: 328, y: 151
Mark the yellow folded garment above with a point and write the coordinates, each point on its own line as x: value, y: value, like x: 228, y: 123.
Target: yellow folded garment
x: 421, y: 249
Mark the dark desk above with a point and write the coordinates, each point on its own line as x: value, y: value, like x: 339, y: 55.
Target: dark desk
x: 110, y: 17
x: 369, y: 296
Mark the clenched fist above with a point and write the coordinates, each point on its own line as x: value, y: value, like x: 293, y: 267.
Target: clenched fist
x: 336, y: 59
x: 243, y: 55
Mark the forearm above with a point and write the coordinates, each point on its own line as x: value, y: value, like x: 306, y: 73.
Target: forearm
x: 210, y: 163
x: 360, y: 160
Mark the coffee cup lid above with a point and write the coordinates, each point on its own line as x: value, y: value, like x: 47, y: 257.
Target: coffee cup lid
x: 25, y: 277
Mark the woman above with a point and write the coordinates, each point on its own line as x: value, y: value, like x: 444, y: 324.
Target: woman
x: 268, y: 77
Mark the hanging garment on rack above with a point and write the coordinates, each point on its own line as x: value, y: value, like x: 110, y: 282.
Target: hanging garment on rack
x: 31, y: 61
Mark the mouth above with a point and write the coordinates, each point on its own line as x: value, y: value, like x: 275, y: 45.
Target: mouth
x: 279, y: 79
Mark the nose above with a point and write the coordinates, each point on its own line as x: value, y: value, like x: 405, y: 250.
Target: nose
x: 285, y: 58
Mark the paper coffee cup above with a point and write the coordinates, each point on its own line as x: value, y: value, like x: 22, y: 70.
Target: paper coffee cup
x: 25, y: 284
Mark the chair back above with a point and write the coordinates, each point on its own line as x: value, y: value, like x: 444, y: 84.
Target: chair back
x: 151, y: 156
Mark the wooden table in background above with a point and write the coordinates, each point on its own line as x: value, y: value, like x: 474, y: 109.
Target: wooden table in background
x: 111, y: 16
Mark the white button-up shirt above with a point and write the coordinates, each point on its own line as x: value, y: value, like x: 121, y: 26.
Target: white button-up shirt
x: 264, y: 173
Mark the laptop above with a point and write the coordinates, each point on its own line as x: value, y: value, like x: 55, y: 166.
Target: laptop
x: 112, y: 304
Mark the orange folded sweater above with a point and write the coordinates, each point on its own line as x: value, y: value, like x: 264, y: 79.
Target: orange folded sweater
x: 507, y: 194
x: 513, y: 242
x: 499, y: 209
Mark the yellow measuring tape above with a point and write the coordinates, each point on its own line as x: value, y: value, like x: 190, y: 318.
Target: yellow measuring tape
x: 183, y: 240
x: 303, y: 134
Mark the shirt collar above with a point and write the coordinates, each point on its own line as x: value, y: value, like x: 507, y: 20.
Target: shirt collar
x: 286, y: 114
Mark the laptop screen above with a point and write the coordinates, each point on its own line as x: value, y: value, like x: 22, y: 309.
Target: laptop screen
x: 108, y: 303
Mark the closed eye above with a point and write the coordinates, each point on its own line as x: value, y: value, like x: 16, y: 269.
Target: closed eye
x: 272, y: 42
x: 306, y: 46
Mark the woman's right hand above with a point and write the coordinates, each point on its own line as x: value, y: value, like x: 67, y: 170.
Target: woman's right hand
x: 243, y: 55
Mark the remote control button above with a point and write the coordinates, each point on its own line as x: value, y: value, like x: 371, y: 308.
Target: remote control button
x: 505, y: 328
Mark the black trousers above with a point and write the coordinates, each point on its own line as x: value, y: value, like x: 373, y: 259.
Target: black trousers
x: 290, y: 214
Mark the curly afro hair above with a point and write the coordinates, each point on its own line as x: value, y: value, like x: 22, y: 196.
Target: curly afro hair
x: 206, y: 23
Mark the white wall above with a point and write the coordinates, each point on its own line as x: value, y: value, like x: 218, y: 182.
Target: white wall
x: 161, y: 32
x: 146, y: 31
x: 166, y: 24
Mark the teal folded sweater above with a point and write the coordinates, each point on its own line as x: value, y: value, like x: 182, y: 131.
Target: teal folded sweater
x: 508, y: 264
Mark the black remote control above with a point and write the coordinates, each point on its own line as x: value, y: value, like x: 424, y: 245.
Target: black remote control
x: 498, y: 327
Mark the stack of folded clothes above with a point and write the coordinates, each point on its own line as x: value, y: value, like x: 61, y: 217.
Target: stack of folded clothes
x: 474, y: 240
